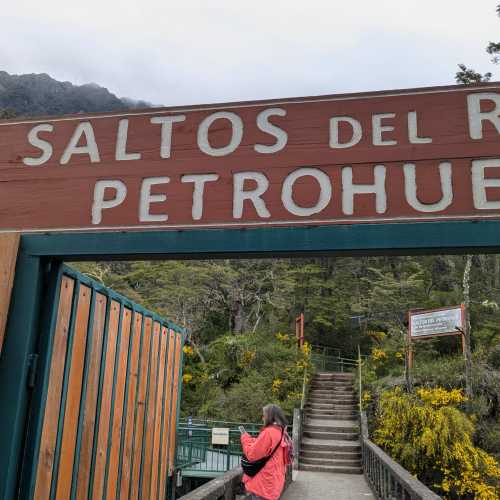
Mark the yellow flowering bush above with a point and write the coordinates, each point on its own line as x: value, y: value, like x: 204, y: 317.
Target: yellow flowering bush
x: 306, y: 349
x: 248, y: 357
x: 283, y: 337
x: 432, y: 439
x: 188, y: 350
x: 277, y: 383
x: 186, y: 378
x: 378, y: 354
x: 437, y: 396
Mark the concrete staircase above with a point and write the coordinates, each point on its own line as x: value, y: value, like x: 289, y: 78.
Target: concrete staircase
x: 330, y: 433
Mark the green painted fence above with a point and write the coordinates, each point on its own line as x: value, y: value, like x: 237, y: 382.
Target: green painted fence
x: 106, y: 402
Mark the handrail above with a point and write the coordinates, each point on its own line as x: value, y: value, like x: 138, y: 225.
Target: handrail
x: 387, y: 479
x: 223, y: 487
x: 304, y: 389
x: 298, y: 414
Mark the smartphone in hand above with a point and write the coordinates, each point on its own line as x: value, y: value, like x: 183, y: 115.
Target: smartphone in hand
x: 242, y: 429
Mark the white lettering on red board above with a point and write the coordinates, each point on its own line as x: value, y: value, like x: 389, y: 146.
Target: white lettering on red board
x: 250, y: 187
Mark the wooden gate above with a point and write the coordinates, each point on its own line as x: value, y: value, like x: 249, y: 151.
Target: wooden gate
x: 106, y: 425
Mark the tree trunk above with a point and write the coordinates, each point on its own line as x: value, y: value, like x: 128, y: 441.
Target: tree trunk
x: 497, y: 271
x: 238, y: 317
x: 467, y: 329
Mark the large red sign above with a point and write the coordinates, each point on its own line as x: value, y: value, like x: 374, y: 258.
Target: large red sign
x: 421, y: 154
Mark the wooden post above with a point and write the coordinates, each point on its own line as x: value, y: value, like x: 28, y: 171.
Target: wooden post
x: 299, y: 330
x: 9, y: 245
x: 409, y: 358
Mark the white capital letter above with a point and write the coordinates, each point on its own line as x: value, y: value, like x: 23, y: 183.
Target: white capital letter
x: 99, y: 204
x: 411, y: 188
x: 236, y: 133
x: 89, y: 148
x: 147, y: 198
x: 479, y: 183
x: 121, y: 143
x: 198, y: 191
x: 166, y: 132
x: 325, y: 193
x: 476, y: 117
x: 357, y: 132
x: 264, y: 125
x: 413, y: 130
x: 378, y: 129
x: 254, y: 196
x: 349, y: 190
x: 45, y: 146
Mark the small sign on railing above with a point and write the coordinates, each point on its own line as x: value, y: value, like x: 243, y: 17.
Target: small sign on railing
x: 220, y: 435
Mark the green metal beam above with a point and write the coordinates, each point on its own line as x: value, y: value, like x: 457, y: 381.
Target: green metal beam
x: 357, y: 239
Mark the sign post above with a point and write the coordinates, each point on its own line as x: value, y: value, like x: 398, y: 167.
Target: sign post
x: 431, y: 323
x: 299, y: 329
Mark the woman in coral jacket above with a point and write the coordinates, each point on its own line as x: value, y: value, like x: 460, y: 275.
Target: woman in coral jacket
x: 268, y: 483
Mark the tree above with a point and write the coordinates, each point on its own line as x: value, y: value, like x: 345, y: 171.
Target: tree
x: 468, y: 76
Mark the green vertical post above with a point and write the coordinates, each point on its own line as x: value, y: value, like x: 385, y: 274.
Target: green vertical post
x: 19, y: 343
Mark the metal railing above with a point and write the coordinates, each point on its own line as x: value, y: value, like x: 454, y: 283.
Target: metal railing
x: 387, y: 479
x: 338, y: 363
x: 224, y: 487
x: 197, y: 456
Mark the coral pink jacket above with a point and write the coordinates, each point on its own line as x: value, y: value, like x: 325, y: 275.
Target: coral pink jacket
x: 270, y: 480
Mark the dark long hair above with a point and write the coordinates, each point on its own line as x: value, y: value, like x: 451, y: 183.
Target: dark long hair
x: 273, y: 414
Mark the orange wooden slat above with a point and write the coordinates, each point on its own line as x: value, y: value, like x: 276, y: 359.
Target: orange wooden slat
x: 159, y: 400
x: 166, y: 413
x: 53, y: 402
x: 133, y: 374
x: 72, y: 410
x: 141, y: 402
x: 89, y: 417
x: 107, y: 387
x: 116, y: 431
x: 9, y: 244
x: 175, y: 395
x: 151, y: 412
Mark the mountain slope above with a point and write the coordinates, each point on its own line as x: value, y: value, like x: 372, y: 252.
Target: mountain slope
x: 39, y: 94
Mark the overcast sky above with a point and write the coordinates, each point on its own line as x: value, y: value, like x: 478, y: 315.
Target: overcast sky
x: 188, y: 51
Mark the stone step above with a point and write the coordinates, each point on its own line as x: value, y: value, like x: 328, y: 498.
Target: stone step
x: 337, y: 470
x: 328, y: 408
x: 311, y: 444
x: 341, y: 410
x: 336, y: 390
x: 330, y: 387
x: 333, y: 404
x: 335, y: 374
x: 343, y: 393
x: 321, y: 426
x: 334, y: 416
x: 330, y: 463
x: 334, y: 380
x: 348, y: 455
x: 339, y: 436
x: 329, y: 399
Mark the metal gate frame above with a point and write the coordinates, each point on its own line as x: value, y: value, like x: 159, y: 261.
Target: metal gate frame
x: 40, y: 262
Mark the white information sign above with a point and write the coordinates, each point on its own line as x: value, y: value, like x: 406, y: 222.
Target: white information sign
x: 220, y: 435
x: 437, y: 322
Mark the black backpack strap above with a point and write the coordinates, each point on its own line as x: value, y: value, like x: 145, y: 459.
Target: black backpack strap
x: 279, y: 442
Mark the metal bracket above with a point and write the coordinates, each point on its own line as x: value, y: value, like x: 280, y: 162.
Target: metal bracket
x: 32, y: 369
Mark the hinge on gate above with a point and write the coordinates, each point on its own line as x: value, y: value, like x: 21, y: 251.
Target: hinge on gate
x: 32, y: 368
